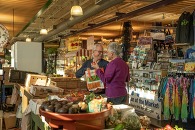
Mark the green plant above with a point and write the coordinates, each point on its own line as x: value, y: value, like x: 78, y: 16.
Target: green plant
x: 51, y: 50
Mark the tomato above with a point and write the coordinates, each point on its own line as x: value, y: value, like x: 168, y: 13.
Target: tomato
x: 168, y: 127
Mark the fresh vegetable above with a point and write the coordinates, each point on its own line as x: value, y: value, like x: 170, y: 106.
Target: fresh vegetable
x: 89, y: 97
x: 119, y: 127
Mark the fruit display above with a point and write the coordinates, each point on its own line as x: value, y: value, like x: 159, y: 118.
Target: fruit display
x: 64, y: 106
x: 74, y: 103
x: 168, y: 127
x: 73, y: 96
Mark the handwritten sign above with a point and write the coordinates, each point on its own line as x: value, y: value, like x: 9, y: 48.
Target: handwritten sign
x: 149, y: 107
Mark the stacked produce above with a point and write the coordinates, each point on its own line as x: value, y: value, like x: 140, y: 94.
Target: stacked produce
x: 123, y: 117
x: 75, y: 96
x: 74, y: 103
x: 64, y: 106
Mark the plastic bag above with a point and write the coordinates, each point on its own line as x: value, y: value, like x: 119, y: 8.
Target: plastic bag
x: 131, y: 120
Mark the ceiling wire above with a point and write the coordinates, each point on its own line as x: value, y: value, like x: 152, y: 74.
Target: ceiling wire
x: 13, y: 22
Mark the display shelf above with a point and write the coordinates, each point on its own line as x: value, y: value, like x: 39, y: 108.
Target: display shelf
x: 164, y: 56
x: 181, y: 72
x: 143, y: 91
x: 142, y: 77
x: 163, y: 61
x: 181, y: 44
x: 149, y: 70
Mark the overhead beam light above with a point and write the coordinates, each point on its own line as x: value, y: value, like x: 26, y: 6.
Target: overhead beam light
x: 43, y: 31
x: 28, y: 39
x: 76, y: 10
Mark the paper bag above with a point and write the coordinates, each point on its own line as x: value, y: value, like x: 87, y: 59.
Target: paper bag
x: 93, y: 81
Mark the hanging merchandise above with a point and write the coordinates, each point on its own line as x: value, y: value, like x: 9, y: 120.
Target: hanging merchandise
x: 190, y: 53
x: 184, y: 111
x: 177, y: 101
x: 166, y: 104
x: 192, y: 28
x: 126, y: 38
x: 192, y: 99
x: 183, y: 28
x: 178, y: 94
x: 168, y: 37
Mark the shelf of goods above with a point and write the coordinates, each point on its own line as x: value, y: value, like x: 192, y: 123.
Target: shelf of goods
x: 143, y: 91
x: 163, y: 59
x: 60, y: 66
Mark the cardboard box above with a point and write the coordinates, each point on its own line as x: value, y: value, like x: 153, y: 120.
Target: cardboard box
x: 32, y: 79
x: 14, y: 96
x: 9, y: 120
x: 38, y: 90
x: 35, y: 104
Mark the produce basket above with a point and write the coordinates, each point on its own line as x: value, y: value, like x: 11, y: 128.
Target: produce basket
x: 81, y: 121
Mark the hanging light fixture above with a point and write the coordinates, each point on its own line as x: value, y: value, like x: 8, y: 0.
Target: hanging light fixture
x: 76, y: 10
x: 71, y: 18
x: 43, y: 30
x: 28, y: 39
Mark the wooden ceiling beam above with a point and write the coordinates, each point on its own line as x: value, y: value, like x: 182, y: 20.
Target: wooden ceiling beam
x: 129, y: 15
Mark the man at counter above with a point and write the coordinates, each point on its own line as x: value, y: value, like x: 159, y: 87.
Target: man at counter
x: 115, y: 76
x: 97, y: 56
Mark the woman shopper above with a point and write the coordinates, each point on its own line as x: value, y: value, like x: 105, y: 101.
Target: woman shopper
x: 115, y: 76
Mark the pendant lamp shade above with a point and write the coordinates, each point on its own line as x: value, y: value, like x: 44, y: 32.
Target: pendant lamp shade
x: 28, y: 39
x: 76, y: 10
x: 43, y: 31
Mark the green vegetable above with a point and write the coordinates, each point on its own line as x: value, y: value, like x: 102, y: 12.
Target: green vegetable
x: 119, y: 127
x: 89, y: 97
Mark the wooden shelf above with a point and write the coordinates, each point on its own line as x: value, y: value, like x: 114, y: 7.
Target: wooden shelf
x: 145, y: 70
x: 181, y: 44
x: 2, y: 54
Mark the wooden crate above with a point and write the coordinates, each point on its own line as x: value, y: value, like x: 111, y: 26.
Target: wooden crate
x: 68, y: 83
x: 32, y: 79
x: 37, y: 90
